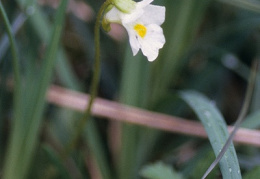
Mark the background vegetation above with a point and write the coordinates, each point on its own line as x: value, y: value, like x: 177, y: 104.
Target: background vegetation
x: 201, y: 74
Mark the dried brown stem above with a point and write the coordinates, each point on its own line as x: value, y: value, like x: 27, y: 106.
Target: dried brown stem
x: 119, y: 112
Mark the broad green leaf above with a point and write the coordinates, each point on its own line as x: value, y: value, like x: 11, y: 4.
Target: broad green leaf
x: 216, y: 129
x: 159, y: 170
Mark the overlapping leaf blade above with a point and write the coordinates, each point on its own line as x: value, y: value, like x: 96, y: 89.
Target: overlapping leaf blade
x: 216, y: 129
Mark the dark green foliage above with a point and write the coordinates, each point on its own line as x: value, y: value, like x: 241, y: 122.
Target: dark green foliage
x: 209, y: 49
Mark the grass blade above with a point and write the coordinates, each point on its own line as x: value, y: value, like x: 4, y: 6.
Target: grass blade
x: 15, y: 63
x: 15, y: 60
x: 241, y: 116
x: 48, y: 66
x: 39, y: 23
x: 27, y: 125
x: 181, y: 25
x: 54, y: 158
x: 216, y: 129
x: 96, y: 146
x: 251, y: 5
x: 16, y: 25
x: 132, y: 80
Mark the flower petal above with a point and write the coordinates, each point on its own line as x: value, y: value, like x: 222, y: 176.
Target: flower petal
x: 134, y: 43
x: 143, y: 3
x: 136, y: 13
x: 153, y: 41
x: 114, y: 15
x: 132, y: 17
x: 153, y: 15
x: 150, y: 37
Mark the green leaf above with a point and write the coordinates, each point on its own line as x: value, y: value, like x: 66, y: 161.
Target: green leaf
x: 255, y: 173
x: 159, y: 170
x: 180, y: 28
x: 42, y: 28
x: 245, y: 4
x: 197, y: 166
x: 97, y: 149
x: 151, y: 80
x: 56, y: 161
x: 27, y: 125
x: 252, y: 121
x: 133, y: 82
x: 216, y: 129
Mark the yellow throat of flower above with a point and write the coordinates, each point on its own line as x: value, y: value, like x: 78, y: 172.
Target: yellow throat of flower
x: 140, y: 29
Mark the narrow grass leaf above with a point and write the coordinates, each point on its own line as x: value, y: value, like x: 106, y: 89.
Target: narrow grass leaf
x: 24, y: 136
x: 97, y: 149
x: 216, y: 129
x: 252, y: 5
x: 131, y: 84
x: 56, y: 161
x: 181, y: 25
x: 15, y: 61
x: 16, y: 25
x: 47, y: 69
x: 39, y: 23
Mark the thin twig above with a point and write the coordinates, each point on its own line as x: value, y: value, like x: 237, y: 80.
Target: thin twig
x: 123, y: 113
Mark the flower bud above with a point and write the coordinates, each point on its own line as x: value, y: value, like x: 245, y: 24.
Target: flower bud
x: 125, y: 6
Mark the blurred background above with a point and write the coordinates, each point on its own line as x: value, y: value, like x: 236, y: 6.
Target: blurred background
x: 210, y: 45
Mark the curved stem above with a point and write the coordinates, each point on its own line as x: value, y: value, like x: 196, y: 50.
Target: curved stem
x: 95, y: 79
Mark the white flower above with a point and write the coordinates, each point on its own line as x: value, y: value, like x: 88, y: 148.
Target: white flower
x: 143, y: 27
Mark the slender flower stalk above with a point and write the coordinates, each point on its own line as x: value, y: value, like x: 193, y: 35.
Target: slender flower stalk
x: 142, y: 22
x: 94, y: 83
